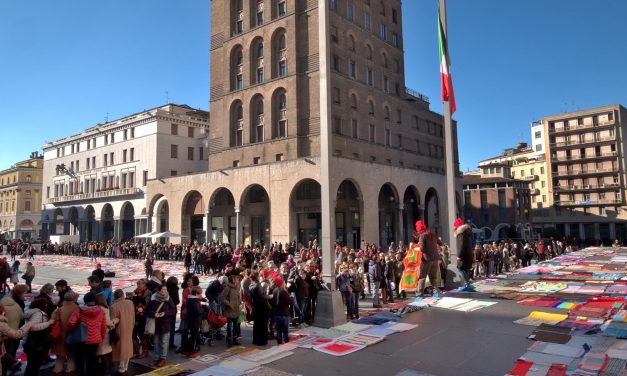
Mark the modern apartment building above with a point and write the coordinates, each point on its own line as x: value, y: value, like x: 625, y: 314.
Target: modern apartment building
x: 299, y: 87
x: 94, y: 182
x: 20, y: 199
x: 586, y: 162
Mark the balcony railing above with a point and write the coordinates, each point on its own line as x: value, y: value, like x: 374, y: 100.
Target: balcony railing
x: 587, y: 141
x: 535, y: 191
x: 591, y: 171
x: 574, y: 128
x: 588, y: 202
x: 416, y: 94
x: 98, y: 194
x: 586, y: 187
x: 580, y: 158
x: 529, y: 177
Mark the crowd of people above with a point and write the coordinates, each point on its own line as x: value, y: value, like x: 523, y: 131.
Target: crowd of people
x: 273, y: 287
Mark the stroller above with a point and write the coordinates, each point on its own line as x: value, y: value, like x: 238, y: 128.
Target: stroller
x: 210, y: 326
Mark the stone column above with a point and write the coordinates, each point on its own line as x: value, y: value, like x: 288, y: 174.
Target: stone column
x: 207, y: 226
x: 400, y: 230
x: 238, y: 230
x: 613, y: 230
x: 116, y: 228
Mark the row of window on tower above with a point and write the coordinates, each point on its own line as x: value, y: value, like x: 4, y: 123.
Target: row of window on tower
x: 257, y: 11
x: 257, y: 52
x: 258, y: 122
x: 390, y: 37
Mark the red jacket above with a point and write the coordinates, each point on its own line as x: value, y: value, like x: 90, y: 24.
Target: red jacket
x: 94, y: 318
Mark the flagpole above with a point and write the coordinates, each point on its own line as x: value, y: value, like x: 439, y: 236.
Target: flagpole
x: 451, y: 169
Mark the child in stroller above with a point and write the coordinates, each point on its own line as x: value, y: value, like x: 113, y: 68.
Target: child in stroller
x: 211, y: 326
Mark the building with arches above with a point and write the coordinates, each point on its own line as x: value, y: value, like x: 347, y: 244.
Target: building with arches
x: 309, y: 105
x: 100, y: 192
x: 20, y: 199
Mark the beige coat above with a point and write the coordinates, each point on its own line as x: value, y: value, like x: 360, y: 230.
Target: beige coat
x: 105, y: 346
x: 7, y: 332
x: 63, y: 313
x: 124, y: 311
x: 14, y: 313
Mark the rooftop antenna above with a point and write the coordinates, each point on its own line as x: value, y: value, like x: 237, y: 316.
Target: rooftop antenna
x: 107, y: 117
x: 167, y: 97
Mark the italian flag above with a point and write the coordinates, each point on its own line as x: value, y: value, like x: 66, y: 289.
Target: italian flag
x: 445, y: 72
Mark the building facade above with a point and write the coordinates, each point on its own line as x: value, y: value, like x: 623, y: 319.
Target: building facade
x: 20, y: 199
x: 586, y: 164
x: 497, y: 201
x: 301, y: 87
x: 523, y: 163
x: 94, y: 182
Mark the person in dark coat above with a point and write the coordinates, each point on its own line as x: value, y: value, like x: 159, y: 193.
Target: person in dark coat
x: 173, y: 290
x: 260, y: 311
x: 98, y: 272
x: 465, y: 256
x: 163, y: 310
x: 193, y: 319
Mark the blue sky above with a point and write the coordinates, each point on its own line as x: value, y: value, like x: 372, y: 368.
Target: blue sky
x: 65, y: 64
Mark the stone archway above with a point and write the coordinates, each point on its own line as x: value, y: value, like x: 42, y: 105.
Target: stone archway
x: 412, y: 212
x: 193, y: 217
x: 90, y: 230
x: 388, y: 214
x: 432, y: 210
x: 348, y: 218
x: 127, y: 219
x: 73, y: 221
x: 306, y: 211
x: 223, y: 217
x: 255, y: 216
x: 59, y: 223
x: 107, y: 222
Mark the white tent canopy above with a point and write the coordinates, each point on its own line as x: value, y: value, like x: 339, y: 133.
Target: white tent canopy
x: 168, y: 234
x: 147, y: 235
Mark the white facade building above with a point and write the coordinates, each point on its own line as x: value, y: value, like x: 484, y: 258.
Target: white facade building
x: 94, y: 182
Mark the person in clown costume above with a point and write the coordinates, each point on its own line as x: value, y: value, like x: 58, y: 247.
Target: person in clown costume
x: 429, y: 259
x: 421, y: 261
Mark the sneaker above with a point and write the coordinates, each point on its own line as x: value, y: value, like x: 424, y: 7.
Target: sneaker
x: 160, y: 363
x: 436, y: 295
x: 192, y: 355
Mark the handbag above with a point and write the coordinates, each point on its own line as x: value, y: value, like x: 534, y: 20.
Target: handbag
x: 114, y: 337
x: 78, y: 335
x: 55, y: 331
x: 215, y: 320
x: 151, y: 323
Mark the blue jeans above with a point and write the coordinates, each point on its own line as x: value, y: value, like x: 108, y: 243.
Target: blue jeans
x: 162, y: 343
x: 233, y: 329
x: 465, y: 276
x: 303, y: 305
x: 374, y: 290
x: 282, y: 323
